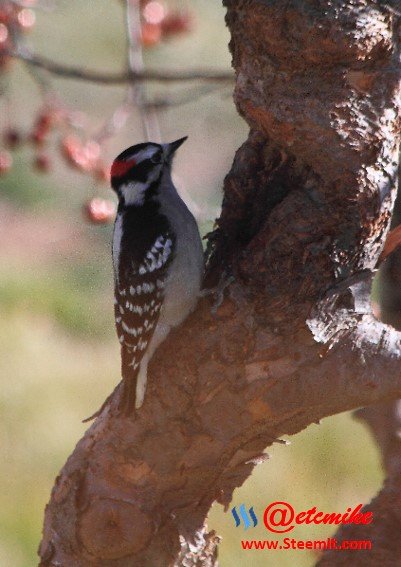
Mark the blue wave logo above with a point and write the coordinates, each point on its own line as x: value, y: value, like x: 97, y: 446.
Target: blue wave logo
x: 246, y: 516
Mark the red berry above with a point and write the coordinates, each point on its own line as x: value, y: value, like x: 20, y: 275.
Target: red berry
x: 150, y: 34
x: 81, y: 156
x: 102, y: 173
x: 6, y: 14
x: 154, y: 12
x: 176, y: 23
x: 12, y: 138
x: 3, y: 33
x: 38, y: 136
x: 92, y: 152
x: 46, y: 120
x: 72, y: 150
x: 41, y: 129
x: 70, y: 144
x: 6, y: 162
x: 99, y: 211
x: 26, y: 18
x: 43, y: 124
x: 42, y: 163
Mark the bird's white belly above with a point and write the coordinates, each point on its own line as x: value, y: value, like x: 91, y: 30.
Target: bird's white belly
x: 180, y: 298
x: 183, y: 284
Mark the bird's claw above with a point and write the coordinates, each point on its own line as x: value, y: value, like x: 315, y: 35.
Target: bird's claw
x: 218, y: 291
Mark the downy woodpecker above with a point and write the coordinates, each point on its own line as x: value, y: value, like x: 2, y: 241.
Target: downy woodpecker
x: 157, y: 260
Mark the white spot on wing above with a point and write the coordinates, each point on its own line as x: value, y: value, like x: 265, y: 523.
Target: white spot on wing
x: 157, y: 256
x: 159, y: 242
x: 131, y: 330
x: 142, y: 344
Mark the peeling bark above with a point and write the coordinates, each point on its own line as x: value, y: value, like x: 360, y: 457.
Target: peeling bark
x: 384, y: 421
x: 307, y: 204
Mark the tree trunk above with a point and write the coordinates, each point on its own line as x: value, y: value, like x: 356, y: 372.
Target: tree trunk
x: 306, y: 208
x: 384, y: 420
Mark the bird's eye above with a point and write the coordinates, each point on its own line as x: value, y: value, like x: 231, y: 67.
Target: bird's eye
x: 156, y: 158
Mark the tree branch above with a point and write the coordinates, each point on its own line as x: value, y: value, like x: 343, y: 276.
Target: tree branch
x: 136, y: 91
x: 307, y: 204
x: 384, y: 421
x: 124, y: 77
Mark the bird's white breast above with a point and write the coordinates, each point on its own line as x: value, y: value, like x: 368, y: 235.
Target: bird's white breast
x: 117, y: 235
x: 185, y: 273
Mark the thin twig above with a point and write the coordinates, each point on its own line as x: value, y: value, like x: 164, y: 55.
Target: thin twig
x: 136, y: 91
x: 190, y: 95
x: 122, y: 112
x: 114, y: 123
x: 46, y: 6
x: 124, y: 77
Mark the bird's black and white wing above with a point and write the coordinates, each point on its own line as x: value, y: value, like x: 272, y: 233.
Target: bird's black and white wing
x: 139, y: 297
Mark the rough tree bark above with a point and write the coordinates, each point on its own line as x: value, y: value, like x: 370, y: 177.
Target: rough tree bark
x: 384, y: 420
x: 307, y: 204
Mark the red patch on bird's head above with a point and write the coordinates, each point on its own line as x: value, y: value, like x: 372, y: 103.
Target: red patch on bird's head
x: 120, y: 167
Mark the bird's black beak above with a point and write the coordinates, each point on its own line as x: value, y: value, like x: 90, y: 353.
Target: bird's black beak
x: 173, y: 146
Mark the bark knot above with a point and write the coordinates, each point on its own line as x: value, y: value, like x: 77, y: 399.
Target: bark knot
x: 110, y: 529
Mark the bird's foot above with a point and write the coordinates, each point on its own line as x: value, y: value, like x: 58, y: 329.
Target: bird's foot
x: 218, y: 291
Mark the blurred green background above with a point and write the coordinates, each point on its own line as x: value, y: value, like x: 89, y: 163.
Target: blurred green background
x: 59, y: 357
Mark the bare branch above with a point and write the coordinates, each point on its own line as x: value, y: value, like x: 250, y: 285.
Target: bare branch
x: 136, y: 91
x: 114, y: 124
x: 122, y: 112
x: 384, y: 421
x: 189, y: 96
x: 124, y: 77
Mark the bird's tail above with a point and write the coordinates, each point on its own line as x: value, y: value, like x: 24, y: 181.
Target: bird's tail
x: 141, y: 381
x: 127, y: 399
x: 134, y: 375
x: 129, y: 374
